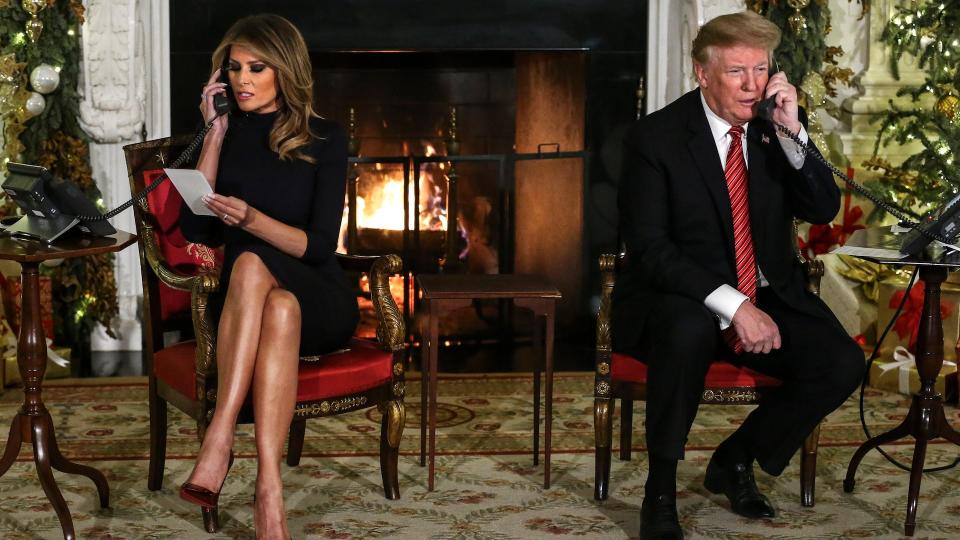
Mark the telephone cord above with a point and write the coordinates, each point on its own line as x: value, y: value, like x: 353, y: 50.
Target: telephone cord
x: 896, y: 212
x: 181, y: 159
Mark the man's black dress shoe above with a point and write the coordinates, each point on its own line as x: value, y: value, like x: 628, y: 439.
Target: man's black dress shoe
x: 658, y: 519
x: 736, y: 481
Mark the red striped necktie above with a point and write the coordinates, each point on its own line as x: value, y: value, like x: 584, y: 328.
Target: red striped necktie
x: 736, y: 173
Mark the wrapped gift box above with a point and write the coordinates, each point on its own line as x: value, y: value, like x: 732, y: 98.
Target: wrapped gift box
x: 899, y: 374
x: 904, y: 331
x: 849, y: 288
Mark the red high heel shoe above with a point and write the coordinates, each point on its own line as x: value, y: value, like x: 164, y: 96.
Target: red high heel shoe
x: 207, y: 500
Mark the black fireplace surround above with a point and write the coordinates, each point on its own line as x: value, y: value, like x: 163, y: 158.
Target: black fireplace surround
x: 430, y: 54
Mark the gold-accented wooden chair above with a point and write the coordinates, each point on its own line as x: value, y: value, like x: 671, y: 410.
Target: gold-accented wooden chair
x: 184, y: 374
x: 620, y: 376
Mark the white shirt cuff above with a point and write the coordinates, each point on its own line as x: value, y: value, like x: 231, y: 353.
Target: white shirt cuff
x: 724, y: 302
x: 795, y: 154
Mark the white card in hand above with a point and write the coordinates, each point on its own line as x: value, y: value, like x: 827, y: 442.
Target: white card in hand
x: 193, y: 186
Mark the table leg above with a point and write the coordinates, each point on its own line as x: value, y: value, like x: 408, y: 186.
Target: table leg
x: 916, y: 472
x: 14, y: 441
x: 548, y: 397
x: 894, y: 434
x: 424, y: 381
x: 62, y: 464
x: 538, y: 347
x: 41, y: 457
x: 434, y: 350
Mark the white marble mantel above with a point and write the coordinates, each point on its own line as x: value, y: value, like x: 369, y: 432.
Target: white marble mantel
x: 126, y: 94
x: 124, y: 97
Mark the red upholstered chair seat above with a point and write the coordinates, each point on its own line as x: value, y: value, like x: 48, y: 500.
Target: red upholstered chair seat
x: 361, y: 367
x: 720, y: 375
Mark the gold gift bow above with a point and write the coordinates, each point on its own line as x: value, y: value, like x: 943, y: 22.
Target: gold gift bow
x: 904, y: 360
x: 868, y: 274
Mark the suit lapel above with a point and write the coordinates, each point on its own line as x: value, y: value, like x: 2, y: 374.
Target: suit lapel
x: 703, y: 152
x: 757, y: 181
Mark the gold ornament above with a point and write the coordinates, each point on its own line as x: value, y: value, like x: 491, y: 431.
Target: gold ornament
x: 798, y: 23
x: 34, y: 28
x: 948, y: 105
x: 33, y: 6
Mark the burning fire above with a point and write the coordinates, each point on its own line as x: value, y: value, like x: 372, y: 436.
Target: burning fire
x: 380, y: 199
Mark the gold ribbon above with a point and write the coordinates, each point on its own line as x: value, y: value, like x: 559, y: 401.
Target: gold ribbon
x: 868, y: 274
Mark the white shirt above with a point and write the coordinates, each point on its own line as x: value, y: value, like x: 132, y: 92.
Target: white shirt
x: 725, y: 300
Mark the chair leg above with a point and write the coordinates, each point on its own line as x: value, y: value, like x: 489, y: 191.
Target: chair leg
x: 391, y: 429
x: 602, y: 427
x: 158, y: 438
x: 298, y: 429
x: 808, y: 467
x: 626, y: 428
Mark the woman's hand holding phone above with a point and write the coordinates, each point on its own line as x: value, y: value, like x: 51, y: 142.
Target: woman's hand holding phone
x: 213, y: 87
x: 785, y: 95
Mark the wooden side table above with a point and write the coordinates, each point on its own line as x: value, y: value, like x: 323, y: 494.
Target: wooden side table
x: 32, y: 422
x: 445, y: 293
x: 925, y: 420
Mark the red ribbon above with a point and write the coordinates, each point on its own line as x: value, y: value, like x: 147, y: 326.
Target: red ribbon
x: 822, y: 238
x: 909, y: 319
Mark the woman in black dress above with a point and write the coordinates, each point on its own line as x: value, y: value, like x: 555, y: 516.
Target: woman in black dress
x: 278, y: 173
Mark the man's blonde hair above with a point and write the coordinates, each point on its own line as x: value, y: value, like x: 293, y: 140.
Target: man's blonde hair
x: 745, y: 28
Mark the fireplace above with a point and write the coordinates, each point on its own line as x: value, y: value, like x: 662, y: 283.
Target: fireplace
x: 514, y: 108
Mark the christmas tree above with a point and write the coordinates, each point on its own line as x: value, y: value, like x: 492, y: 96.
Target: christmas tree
x: 39, y: 110
x: 930, y: 31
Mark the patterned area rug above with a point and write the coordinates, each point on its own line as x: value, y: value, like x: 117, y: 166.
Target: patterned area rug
x: 487, y: 486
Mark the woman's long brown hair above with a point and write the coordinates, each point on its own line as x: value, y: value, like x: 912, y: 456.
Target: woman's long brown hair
x: 278, y: 43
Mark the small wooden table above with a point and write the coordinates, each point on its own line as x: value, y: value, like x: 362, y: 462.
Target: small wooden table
x: 33, y: 422
x: 447, y: 292
x: 926, y: 419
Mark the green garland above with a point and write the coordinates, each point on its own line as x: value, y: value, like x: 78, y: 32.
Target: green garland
x: 803, y: 49
x: 84, y: 291
x: 930, y: 31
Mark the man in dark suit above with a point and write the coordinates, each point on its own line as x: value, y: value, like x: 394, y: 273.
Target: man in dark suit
x: 707, y: 204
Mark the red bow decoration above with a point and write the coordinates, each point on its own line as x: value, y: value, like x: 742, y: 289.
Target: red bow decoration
x: 909, y: 319
x: 851, y: 215
x: 821, y: 238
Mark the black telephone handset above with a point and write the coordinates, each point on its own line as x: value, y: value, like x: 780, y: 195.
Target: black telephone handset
x: 943, y: 224
x: 224, y: 103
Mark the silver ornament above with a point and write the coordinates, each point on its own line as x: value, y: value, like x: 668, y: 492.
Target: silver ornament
x: 44, y: 78
x: 35, y: 104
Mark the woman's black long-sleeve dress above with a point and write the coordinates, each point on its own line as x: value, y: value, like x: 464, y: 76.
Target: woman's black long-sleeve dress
x: 308, y: 196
